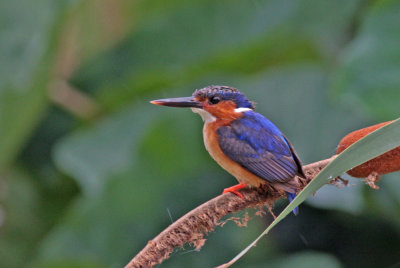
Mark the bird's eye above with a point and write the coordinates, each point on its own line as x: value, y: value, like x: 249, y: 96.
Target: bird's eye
x: 214, y: 100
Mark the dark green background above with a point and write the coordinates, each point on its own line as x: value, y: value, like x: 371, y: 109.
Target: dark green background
x: 89, y: 186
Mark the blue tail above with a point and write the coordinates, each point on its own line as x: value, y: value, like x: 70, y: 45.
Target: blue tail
x: 292, y: 196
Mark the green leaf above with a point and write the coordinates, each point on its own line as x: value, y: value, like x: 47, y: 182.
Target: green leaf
x: 371, y: 146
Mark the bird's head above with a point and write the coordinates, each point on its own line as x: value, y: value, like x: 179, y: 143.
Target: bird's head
x: 213, y: 102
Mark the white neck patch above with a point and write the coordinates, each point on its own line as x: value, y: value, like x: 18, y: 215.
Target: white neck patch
x: 242, y: 109
x: 206, y: 116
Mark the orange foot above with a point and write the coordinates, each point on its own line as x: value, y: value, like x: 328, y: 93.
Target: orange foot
x: 234, y: 189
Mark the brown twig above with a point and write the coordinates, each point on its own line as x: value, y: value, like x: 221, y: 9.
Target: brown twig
x: 192, y: 227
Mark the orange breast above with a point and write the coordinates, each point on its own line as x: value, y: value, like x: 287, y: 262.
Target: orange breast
x: 236, y: 170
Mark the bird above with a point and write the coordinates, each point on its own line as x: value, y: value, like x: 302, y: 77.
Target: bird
x: 243, y: 142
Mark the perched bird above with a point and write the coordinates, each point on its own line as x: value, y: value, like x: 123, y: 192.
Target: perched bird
x: 243, y: 142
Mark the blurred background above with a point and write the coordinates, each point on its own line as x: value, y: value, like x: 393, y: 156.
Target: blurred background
x: 90, y: 171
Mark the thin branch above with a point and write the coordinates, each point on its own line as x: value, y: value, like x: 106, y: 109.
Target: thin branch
x: 192, y: 227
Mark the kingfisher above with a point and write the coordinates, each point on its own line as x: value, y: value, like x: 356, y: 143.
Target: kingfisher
x: 243, y: 142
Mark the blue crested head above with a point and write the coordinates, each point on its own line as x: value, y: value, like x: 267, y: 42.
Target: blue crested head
x: 223, y: 93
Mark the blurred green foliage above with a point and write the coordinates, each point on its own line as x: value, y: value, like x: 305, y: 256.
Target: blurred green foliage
x: 90, y: 191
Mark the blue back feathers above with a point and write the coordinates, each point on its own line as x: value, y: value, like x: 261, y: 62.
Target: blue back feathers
x: 259, y: 146
x: 225, y: 93
x: 261, y: 133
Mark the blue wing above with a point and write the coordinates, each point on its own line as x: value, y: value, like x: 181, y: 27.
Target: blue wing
x: 258, y: 145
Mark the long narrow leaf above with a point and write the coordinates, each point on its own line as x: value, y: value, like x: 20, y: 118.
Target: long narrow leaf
x: 376, y: 143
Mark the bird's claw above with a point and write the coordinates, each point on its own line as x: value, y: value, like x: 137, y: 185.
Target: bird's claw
x: 234, y: 190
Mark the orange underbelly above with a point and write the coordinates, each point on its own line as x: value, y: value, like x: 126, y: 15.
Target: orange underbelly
x: 236, y: 170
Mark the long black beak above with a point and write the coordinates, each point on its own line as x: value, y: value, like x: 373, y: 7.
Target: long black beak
x: 178, y: 102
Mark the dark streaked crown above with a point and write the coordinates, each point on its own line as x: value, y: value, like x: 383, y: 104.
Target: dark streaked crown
x: 224, y: 93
